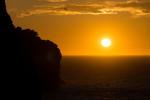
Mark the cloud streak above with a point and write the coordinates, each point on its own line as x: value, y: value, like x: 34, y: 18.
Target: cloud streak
x: 90, y: 7
x: 53, y: 1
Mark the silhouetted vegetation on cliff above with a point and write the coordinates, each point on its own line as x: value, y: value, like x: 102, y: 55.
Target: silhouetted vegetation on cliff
x: 29, y: 64
x: 44, y: 54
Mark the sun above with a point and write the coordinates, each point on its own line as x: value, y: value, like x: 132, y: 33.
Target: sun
x: 106, y: 42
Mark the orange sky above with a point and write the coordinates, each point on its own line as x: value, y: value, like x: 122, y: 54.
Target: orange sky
x: 77, y: 26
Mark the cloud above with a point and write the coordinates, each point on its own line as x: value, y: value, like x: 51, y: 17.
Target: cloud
x: 55, y: 1
x: 90, y: 7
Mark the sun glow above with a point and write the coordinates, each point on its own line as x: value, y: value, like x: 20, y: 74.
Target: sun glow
x: 106, y: 42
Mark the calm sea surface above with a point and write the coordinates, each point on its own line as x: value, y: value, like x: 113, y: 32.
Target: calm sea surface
x: 104, y: 78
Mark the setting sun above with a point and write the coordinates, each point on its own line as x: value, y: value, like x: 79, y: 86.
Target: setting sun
x: 106, y: 42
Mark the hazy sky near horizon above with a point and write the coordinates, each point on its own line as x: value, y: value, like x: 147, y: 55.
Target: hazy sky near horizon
x: 77, y: 26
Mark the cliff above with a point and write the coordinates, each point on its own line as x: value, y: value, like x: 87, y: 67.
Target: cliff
x: 29, y: 64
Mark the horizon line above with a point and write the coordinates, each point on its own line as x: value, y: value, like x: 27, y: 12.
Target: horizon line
x: 109, y: 55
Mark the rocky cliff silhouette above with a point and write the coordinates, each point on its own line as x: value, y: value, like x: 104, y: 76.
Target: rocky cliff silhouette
x: 28, y: 63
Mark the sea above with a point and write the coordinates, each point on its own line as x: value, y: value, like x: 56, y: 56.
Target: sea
x: 103, y: 78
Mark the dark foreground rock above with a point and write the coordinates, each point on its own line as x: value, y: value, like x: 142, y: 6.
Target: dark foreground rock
x: 29, y: 64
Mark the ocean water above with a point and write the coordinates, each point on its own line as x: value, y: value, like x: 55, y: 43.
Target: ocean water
x: 104, y: 78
